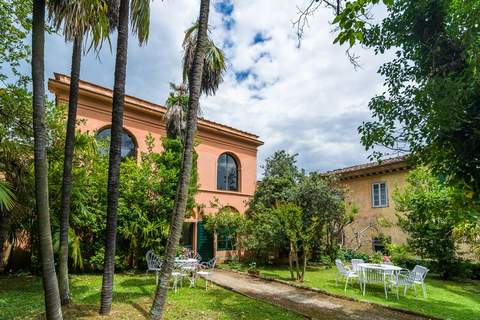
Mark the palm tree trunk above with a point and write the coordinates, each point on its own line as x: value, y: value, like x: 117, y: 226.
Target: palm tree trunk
x: 195, y: 85
x: 67, y: 171
x: 50, y: 284
x: 115, y: 157
x: 4, y: 226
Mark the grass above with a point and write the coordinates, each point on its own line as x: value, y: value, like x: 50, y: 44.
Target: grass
x: 22, y: 298
x: 445, y: 299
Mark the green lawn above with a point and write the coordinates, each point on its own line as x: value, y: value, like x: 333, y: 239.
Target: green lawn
x: 445, y: 300
x: 21, y: 298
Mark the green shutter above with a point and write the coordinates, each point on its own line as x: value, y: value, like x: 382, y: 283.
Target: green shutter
x: 204, y: 242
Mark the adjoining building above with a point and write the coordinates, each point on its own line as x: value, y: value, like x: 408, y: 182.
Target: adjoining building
x: 371, y: 187
x: 227, y: 157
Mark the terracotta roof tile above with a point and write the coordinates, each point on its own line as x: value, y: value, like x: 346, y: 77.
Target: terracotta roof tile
x: 370, y: 165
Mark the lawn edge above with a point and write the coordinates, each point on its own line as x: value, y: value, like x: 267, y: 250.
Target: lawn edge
x: 318, y: 290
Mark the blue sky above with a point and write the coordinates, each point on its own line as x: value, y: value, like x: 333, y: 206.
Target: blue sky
x: 307, y: 100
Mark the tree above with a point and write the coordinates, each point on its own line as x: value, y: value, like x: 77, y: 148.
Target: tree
x: 140, y: 19
x: 262, y: 234
x: 50, y: 284
x: 177, y: 105
x: 15, y: 26
x: 300, y: 232
x: 430, y: 105
x: 226, y: 222
x: 430, y: 212
x: 296, y: 212
x: 195, y: 88
x: 213, y: 68
x: 213, y: 64
x: 147, y: 196
x: 321, y: 197
x: 280, y: 179
x: 79, y: 19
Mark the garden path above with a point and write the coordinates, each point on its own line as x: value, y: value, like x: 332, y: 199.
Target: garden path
x: 311, y: 304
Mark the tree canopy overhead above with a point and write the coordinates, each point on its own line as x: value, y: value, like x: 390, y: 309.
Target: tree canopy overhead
x: 431, y: 103
x: 15, y: 26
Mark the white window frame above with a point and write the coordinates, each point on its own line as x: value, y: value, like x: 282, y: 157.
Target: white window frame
x: 380, y: 204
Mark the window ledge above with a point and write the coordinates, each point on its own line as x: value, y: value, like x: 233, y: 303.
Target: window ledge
x: 234, y: 193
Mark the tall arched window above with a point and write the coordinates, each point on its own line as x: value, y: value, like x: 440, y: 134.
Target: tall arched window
x: 128, y: 149
x: 227, y: 173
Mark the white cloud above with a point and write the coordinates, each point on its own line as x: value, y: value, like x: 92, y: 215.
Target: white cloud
x: 307, y: 100
x: 313, y: 100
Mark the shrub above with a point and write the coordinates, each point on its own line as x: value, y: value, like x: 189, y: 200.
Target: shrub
x: 348, y: 255
x: 376, y: 257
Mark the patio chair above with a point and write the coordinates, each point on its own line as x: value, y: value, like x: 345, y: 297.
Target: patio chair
x: 206, y: 270
x: 374, y: 276
x: 191, y: 268
x: 409, y: 279
x: 154, y: 263
x: 177, y: 276
x: 344, y: 272
x: 190, y: 254
x: 355, y: 263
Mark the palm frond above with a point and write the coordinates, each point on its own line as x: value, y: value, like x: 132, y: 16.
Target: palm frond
x: 81, y: 18
x: 177, y: 105
x: 140, y: 18
x: 214, y: 63
x: 7, y: 197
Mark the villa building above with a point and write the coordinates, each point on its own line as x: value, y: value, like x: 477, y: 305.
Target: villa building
x: 371, y: 187
x: 227, y: 157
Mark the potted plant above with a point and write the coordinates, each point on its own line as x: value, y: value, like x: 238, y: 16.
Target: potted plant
x: 252, y: 269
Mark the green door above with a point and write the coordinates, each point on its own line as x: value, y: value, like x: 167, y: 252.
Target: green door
x: 204, y: 242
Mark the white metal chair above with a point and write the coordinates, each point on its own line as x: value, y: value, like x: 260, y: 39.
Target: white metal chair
x: 177, y: 276
x: 355, y: 263
x: 190, y: 254
x: 154, y: 263
x: 344, y: 272
x: 409, y: 279
x: 206, y: 270
x: 191, y: 268
x: 373, y: 276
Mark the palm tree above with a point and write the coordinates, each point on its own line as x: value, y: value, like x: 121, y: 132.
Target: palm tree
x: 140, y: 19
x: 177, y: 105
x: 195, y: 90
x: 78, y: 18
x: 50, y: 284
x: 213, y: 69
x: 213, y: 64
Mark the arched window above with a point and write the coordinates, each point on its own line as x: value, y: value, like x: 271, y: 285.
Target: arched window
x: 227, y: 173
x: 128, y: 149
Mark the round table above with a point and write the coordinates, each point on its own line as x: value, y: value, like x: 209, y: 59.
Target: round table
x: 190, y: 266
x: 377, y: 273
x: 380, y: 266
x: 186, y: 261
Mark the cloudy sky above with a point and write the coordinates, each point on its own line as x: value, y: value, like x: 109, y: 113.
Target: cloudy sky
x: 307, y: 100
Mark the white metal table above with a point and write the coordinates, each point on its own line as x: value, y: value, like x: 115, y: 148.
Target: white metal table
x: 189, y: 265
x: 371, y: 273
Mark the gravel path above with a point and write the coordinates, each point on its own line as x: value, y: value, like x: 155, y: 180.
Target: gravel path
x: 308, y: 303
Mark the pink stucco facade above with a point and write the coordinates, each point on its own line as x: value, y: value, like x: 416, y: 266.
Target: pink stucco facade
x: 142, y: 118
